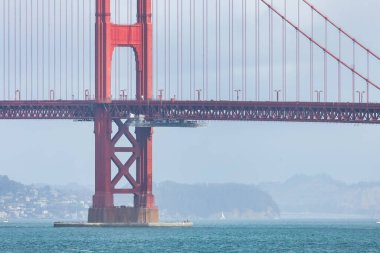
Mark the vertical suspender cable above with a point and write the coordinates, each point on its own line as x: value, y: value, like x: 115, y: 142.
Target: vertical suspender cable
x: 177, y: 36
x: 325, y: 63
x: 26, y: 48
x: 129, y: 61
x: 270, y: 46
x: 219, y: 51
x: 169, y: 50
x: 367, y: 91
x: 216, y: 49
x: 245, y: 50
x: 229, y: 50
x: 15, y: 47
x: 156, y: 43
x: 54, y: 40
x: 8, y: 51
x: 37, y: 49
x: 191, y: 40
x: 119, y: 53
x: 90, y: 47
x: 78, y: 58
x: 181, y: 49
x: 43, y: 50
x: 72, y: 49
x: 66, y: 48
x: 5, y: 45
x: 48, y: 48
x: 340, y: 68
x: 127, y: 56
x: 116, y: 91
x: 283, y: 56
x: 60, y: 49
x: 116, y: 58
x: 232, y: 50
x: 242, y: 48
x: 31, y: 49
x: 3, y: 56
x: 165, y: 46
x: 312, y: 58
x: 285, y: 53
x: 203, y: 47
x: 83, y: 60
x: 205, y: 93
x: 132, y: 66
x: 258, y: 50
x: 353, y: 73
x: 298, y: 54
x: 19, y: 46
x: 194, y: 59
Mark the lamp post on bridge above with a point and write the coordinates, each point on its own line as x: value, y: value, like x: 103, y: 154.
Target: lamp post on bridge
x: 319, y: 92
x: 87, y: 94
x: 360, y: 94
x: 237, y: 94
x: 17, y: 95
x: 199, y: 94
x: 277, y: 94
x: 161, y: 94
x: 122, y: 94
x: 52, y: 95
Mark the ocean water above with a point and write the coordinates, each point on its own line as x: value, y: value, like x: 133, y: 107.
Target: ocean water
x: 218, y: 236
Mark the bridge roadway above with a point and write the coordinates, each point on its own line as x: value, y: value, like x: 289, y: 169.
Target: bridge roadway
x: 196, y: 111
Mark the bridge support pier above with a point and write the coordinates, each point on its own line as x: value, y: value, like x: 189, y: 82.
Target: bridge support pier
x: 107, y: 151
x: 139, y: 37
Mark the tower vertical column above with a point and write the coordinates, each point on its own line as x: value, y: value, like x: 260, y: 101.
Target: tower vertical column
x: 144, y: 66
x: 103, y: 197
x: 104, y: 50
x: 145, y: 198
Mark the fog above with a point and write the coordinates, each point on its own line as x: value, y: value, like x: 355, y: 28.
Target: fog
x: 59, y: 152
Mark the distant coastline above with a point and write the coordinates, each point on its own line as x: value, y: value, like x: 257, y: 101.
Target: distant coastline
x: 299, y: 197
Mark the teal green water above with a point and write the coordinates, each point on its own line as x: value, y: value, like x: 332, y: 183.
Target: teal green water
x: 269, y: 236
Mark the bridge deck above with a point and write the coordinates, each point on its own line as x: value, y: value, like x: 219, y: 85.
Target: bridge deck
x: 368, y: 113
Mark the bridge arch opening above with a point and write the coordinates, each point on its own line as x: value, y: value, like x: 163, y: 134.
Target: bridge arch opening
x: 123, y: 80
x: 123, y: 12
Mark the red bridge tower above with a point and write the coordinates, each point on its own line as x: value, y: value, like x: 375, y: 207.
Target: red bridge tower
x: 139, y: 37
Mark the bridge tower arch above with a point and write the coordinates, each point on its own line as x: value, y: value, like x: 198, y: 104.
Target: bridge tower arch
x: 139, y: 37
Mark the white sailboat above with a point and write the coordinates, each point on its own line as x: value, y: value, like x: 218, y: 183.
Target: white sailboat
x: 222, y: 217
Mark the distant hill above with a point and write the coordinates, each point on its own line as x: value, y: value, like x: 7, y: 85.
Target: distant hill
x: 7, y: 185
x: 236, y: 201
x: 322, y: 196
x: 18, y: 201
x: 176, y: 201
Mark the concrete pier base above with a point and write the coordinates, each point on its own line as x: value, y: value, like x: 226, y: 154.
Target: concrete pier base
x: 186, y: 224
x: 123, y: 215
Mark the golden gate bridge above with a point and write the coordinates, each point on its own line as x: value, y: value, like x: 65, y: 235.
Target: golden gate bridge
x: 173, y: 63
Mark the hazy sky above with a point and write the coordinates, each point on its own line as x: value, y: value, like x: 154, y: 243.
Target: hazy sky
x: 60, y: 152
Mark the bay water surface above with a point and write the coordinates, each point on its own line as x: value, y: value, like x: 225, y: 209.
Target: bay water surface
x: 217, y: 236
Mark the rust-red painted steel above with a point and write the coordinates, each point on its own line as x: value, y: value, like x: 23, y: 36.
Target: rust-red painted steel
x: 139, y: 37
x: 196, y: 110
